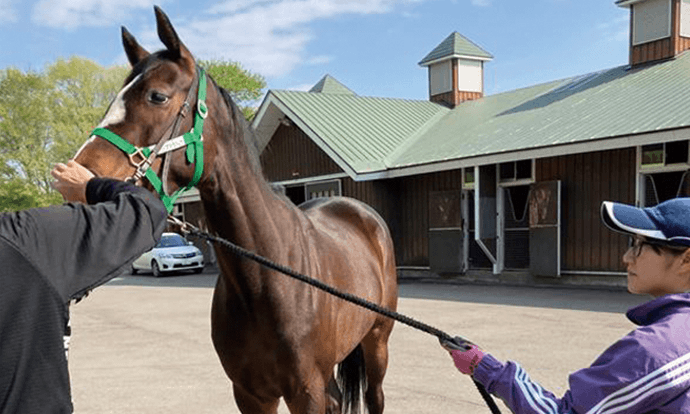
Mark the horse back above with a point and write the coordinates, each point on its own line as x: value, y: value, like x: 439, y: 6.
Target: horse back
x: 348, y: 233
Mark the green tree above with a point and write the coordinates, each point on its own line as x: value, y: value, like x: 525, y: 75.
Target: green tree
x: 44, y: 118
x: 244, y: 87
x: 19, y: 194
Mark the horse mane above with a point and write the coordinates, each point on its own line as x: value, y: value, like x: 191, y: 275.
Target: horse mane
x: 241, y: 127
x: 250, y: 141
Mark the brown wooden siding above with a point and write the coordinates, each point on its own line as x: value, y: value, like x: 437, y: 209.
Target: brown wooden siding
x: 587, y: 180
x: 682, y: 44
x: 651, y: 51
x: 413, y: 239
x: 291, y: 154
x: 404, y: 205
x: 451, y: 99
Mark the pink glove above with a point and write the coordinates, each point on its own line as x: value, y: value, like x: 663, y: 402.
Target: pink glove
x: 467, y: 361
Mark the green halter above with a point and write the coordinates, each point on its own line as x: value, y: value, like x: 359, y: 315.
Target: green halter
x: 192, y: 140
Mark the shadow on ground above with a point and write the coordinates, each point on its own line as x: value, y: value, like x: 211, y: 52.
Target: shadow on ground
x: 586, y: 299
x: 596, y: 300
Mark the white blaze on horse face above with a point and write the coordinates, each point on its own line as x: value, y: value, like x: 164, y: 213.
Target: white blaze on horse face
x: 116, y: 113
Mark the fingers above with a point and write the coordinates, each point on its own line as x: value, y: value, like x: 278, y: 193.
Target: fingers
x: 71, y: 179
x: 72, y: 171
x: 58, y: 170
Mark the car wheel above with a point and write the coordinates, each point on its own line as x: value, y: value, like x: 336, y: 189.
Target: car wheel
x: 155, y: 269
x: 133, y: 271
x: 199, y: 270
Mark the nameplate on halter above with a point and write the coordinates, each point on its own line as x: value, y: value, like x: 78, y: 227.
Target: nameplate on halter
x: 173, y: 144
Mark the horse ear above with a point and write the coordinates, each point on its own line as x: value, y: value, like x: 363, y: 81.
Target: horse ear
x: 168, y: 36
x: 135, y: 53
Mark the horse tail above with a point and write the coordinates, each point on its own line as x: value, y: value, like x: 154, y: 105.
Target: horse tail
x: 352, y: 380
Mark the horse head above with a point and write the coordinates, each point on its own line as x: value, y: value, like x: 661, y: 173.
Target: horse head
x: 151, y: 133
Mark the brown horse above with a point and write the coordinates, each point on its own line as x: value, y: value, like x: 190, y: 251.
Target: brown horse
x: 275, y: 337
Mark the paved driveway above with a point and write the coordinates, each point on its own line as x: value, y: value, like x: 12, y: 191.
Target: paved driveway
x: 142, y: 345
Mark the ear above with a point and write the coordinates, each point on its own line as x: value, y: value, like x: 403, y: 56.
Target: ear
x: 135, y: 53
x: 685, y: 258
x: 167, y: 34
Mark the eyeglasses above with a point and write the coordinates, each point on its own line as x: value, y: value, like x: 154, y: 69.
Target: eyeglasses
x: 635, y: 245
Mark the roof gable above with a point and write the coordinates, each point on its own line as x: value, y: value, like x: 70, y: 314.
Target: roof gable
x: 455, y: 45
x: 357, y: 132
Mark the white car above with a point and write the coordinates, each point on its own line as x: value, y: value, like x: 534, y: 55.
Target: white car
x: 171, y: 253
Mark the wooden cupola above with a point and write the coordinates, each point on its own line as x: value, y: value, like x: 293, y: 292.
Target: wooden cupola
x: 456, y: 70
x: 659, y: 29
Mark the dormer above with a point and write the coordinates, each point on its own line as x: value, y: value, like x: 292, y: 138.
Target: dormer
x: 659, y: 29
x: 456, y: 70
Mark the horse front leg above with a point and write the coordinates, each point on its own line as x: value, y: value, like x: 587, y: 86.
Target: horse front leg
x: 249, y: 404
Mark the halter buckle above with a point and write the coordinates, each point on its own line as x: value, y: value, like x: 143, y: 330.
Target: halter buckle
x: 202, y: 109
x: 144, y: 159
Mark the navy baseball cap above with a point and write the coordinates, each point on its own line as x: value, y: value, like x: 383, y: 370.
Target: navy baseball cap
x: 668, y: 221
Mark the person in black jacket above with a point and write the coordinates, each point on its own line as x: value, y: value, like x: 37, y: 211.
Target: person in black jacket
x: 52, y: 255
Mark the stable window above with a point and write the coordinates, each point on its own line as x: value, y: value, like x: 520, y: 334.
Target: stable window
x: 515, y: 171
x: 664, y: 154
x: 468, y: 178
x: 323, y: 189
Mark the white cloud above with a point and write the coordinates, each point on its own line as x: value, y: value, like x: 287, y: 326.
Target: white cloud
x: 7, y: 12
x: 269, y: 36
x: 70, y: 14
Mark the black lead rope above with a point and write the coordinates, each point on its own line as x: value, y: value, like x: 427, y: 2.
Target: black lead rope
x: 446, y: 340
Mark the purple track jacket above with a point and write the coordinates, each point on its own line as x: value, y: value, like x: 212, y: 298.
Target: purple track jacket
x: 647, y: 371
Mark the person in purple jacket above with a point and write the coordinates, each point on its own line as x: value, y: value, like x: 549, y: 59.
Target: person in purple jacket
x: 648, y: 370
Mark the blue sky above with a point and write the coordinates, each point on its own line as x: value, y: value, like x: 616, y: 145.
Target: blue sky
x: 371, y: 46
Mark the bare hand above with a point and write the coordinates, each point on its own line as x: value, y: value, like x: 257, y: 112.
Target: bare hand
x: 71, y: 180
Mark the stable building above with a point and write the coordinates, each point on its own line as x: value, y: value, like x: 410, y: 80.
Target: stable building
x: 509, y: 183
x: 505, y: 186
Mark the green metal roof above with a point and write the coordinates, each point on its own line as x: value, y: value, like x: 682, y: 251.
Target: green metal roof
x: 362, y: 131
x: 610, y: 103
x: 396, y: 136
x: 328, y: 84
x: 455, y: 45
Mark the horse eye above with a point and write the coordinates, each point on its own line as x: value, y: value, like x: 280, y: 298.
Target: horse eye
x: 157, y: 98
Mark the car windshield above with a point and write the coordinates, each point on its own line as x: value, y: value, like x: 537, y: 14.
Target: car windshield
x: 171, y: 241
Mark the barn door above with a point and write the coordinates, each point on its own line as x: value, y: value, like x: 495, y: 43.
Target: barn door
x: 545, y: 229
x: 445, y: 232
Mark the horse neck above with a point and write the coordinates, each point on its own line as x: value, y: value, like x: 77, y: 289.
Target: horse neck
x: 240, y: 205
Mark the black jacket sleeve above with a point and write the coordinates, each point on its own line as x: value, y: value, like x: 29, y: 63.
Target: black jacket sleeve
x: 78, y: 247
